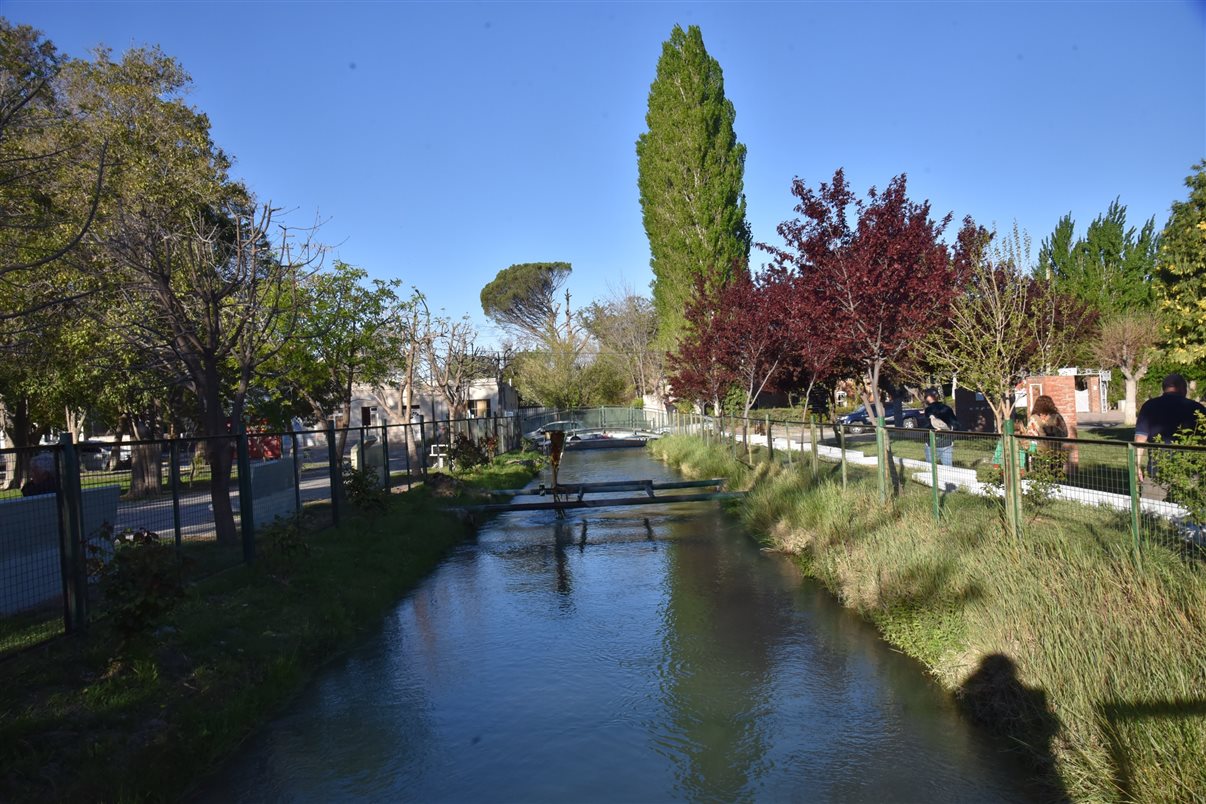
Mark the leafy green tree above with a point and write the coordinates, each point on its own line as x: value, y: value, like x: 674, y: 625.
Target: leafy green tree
x: 522, y: 298
x: 1180, y: 275
x: 198, y: 280
x: 691, y: 172
x: 50, y: 175
x: 557, y: 368
x: 562, y: 378
x: 625, y: 327
x: 348, y: 332
x: 1005, y: 321
x: 1110, y: 267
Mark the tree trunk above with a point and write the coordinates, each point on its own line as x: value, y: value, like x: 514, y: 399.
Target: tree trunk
x: 146, y: 469
x: 1002, y: 410
x: 873, y: 383
x: 115, y: 455
x: 17, y: 464
x: 1131, y: 383
x: 219, y: 449
x: 75, y: 419
x: 341, y: 436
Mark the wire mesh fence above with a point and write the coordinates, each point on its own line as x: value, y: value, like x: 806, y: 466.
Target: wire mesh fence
x: 67, y: 505
x: 211, y: 496
x: 1157, y: 492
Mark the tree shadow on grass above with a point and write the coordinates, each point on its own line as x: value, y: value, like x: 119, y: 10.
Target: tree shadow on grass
x: 1117, y: 714
x: 994, y: 697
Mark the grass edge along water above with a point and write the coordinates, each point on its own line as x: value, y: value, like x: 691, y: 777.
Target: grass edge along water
x: 1108, y: 656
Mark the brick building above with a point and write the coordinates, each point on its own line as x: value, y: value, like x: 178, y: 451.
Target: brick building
x: 1073, y: 391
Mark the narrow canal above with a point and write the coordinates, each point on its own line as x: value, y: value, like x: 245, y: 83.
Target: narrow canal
x: 626, y: 654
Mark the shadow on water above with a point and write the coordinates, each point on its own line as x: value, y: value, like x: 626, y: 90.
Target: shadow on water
x: 994, y: 697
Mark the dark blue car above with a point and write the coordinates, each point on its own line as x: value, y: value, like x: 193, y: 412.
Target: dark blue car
x: 857, y: 421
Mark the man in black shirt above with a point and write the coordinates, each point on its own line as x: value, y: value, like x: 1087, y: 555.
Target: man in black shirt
x: 1161, y: 417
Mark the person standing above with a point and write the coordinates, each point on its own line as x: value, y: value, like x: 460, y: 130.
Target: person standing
x: 939, y: 416
x: 1159, y: 420
x: 894, y: 410
x: 1047, y: 422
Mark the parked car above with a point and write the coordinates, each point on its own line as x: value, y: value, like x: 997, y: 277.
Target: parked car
x: 94, y: 455
x: 857, y: 421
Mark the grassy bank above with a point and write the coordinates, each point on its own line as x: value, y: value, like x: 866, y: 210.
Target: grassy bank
x: 96, y: 718
x: 1093, y: 663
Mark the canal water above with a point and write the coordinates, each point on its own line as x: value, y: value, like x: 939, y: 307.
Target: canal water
x: 620, y: 654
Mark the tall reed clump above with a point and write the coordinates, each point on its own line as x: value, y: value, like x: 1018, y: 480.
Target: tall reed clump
x: 1093, y: 661
x: 699, y: 460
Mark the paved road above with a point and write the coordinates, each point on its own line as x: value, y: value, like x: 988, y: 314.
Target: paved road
x: 196, y: 508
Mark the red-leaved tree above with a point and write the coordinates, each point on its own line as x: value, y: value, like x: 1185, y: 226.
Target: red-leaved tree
x: 812, y: 354
x: 699, y: 369
x: 737, y: 336
x: 881, y: 282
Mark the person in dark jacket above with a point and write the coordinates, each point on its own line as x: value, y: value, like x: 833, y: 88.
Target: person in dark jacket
x: 42, y: 476
x: 939, y: 416
x: 894, y: 409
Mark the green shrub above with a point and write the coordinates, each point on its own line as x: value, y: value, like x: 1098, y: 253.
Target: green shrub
x: 1184, y: 472
x: 141, y: 581
x: 468, y: 452
x: 284, y: 544
x: 362, y: 488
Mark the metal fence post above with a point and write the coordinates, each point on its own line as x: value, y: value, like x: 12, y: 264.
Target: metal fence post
x: 360, y: 450
x: 1132, y: 465
x: 770, y: 441
x: 386, y: 480
x: 881, y: 459
x: 297, y: 500
x: 816, y: 455
x: 246, y: 498
x: 422, y: 445
x: 842, y: 442
x: 1013, y: 480
x: 333, y: 469
x: 408, y: 440
x: 934, y: 474
x: 71, y: 538
x: 174, y: 482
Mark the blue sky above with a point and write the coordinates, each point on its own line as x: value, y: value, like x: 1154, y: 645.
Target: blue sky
x: 442, y: 142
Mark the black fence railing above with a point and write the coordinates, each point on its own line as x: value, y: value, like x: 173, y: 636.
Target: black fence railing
x: 208, y: 496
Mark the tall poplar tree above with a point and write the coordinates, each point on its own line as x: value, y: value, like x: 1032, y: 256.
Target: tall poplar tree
x: 691, y: 170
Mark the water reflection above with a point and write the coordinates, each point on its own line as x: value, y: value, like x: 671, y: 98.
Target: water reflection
x: 631, y: 655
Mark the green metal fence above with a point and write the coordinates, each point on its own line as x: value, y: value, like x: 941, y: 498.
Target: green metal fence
x: 1157, y: 492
